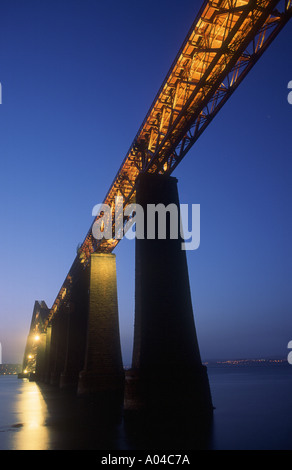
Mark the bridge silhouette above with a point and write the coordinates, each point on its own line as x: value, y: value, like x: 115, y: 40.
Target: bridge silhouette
x: 75, y: 344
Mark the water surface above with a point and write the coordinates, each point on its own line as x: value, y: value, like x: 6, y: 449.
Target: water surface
x: 253, y: 411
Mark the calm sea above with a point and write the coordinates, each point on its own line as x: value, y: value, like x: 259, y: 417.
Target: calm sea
x: 253, y: 411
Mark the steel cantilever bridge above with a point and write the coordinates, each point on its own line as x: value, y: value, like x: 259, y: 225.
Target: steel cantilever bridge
x: 224, y: 42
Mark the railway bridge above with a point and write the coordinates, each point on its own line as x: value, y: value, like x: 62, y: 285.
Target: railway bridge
x: 76, y: 343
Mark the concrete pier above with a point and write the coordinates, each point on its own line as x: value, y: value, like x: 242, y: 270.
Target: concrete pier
x: 40, y: 357
x: 103, y: 369
x: 167, y: 372
x: 77, y: 308
x: 58, y: 345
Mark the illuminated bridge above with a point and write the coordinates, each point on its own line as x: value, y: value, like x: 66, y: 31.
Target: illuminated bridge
x: 78, y: 341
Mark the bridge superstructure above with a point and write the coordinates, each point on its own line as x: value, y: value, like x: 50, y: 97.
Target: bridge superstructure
x: 225, y: 41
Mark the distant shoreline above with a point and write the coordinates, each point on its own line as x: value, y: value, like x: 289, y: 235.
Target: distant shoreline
x: 241, y: 362
x: 10, y: 369
x: 247, y: 362
x: 14, y: 369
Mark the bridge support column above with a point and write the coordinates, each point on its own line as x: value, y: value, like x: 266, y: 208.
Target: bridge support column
x: 167, y: 372
x: 46, y: 374
x: 40, y: 358
x: 59, y: 333
x: 52, y: 357
x: 76, y: 339
x: 103, y: 371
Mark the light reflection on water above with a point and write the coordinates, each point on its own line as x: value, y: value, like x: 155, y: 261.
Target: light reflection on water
x: 253, y: 411
x: 30, y: 413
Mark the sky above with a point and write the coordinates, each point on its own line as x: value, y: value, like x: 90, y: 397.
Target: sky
x: 78, y: 77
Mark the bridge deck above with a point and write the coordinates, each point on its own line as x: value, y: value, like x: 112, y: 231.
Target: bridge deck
x: 225, y: 41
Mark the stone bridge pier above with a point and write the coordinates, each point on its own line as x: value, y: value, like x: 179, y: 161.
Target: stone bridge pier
x: 167, y: 372
x: 81, y: 348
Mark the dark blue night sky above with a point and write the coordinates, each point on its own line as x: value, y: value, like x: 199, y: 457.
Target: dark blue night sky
x: 78, y: 78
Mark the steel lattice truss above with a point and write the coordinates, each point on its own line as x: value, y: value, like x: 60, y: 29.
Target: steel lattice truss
x: 223, y: 44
